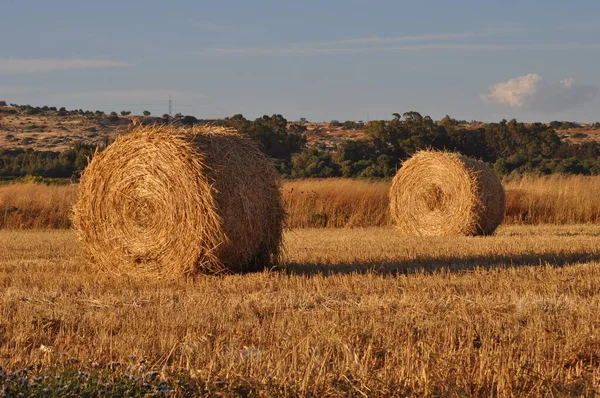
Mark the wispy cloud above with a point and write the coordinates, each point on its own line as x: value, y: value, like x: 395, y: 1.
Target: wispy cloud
x: 460, y: 41
x: 40, y: 65
x: 378, y: 40
x: 344, y: 46
x: 532, y: 92
x: 314, y: 51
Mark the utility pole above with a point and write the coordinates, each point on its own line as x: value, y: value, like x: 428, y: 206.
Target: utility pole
x: 170, y: 108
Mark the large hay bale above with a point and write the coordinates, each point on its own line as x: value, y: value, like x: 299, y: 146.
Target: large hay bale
x: 442, y: 193
x: 167, y: 201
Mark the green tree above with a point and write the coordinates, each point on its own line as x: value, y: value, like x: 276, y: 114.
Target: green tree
x: 352, y: 125
x: 113, y: 117
x: 314, y: 162
x: 354, y: 156
x: 239, y: 123
x: 188, y: 120
x: 272, y: 135
x: 570, y: 166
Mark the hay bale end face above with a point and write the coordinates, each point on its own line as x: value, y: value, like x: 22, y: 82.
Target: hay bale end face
x: 166, y: 201
x: 442, y: 194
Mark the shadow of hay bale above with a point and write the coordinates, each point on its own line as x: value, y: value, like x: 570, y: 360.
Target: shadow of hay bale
x: 435, y: 264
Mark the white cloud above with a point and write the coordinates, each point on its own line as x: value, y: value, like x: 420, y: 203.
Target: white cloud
x: 514, y: 92
x: 39, y: 65
x: 532, y: 92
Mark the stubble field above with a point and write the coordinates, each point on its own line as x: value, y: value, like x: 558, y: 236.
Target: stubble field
x: 350, y: 312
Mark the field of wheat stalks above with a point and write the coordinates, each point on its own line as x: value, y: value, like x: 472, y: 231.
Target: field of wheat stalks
x: 336, y: 202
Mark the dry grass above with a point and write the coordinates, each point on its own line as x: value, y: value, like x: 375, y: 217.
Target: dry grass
x: 338, y: 203
x: 529, y: 200
x: 510, y: 315
x: 170, y: 201
x: 443, y: 194
x: 24, y: 206
x: 553, y: 200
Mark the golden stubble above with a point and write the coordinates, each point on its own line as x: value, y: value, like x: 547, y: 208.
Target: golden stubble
x: 352, y: 310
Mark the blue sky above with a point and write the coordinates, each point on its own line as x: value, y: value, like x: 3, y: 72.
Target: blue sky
x: 323, y: 60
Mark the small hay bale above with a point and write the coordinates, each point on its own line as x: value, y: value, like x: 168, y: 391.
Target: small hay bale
x: 442, y: 194
x: 167, y: 201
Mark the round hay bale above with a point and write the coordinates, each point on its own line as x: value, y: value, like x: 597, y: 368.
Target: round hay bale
x: 442, y: 194
x: 168, y: 201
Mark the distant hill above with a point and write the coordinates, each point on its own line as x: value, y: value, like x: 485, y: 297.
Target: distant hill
x: 47, y: 128
x: 51, y: 130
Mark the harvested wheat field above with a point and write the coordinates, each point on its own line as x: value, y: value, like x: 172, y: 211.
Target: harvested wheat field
x: 172, y: 201
x: 350, y: 312
x: 442, y: 194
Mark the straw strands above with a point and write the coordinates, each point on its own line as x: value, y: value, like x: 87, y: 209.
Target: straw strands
x: 169, y: 201
x: 441, y: 194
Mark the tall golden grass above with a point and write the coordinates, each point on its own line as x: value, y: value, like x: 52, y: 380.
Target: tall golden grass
x: 25, y: 206
x: 337, y: 202
x: 553, y: 200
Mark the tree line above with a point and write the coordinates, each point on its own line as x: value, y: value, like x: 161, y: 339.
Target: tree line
x: 508, y: 146
x: 19, y: 162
